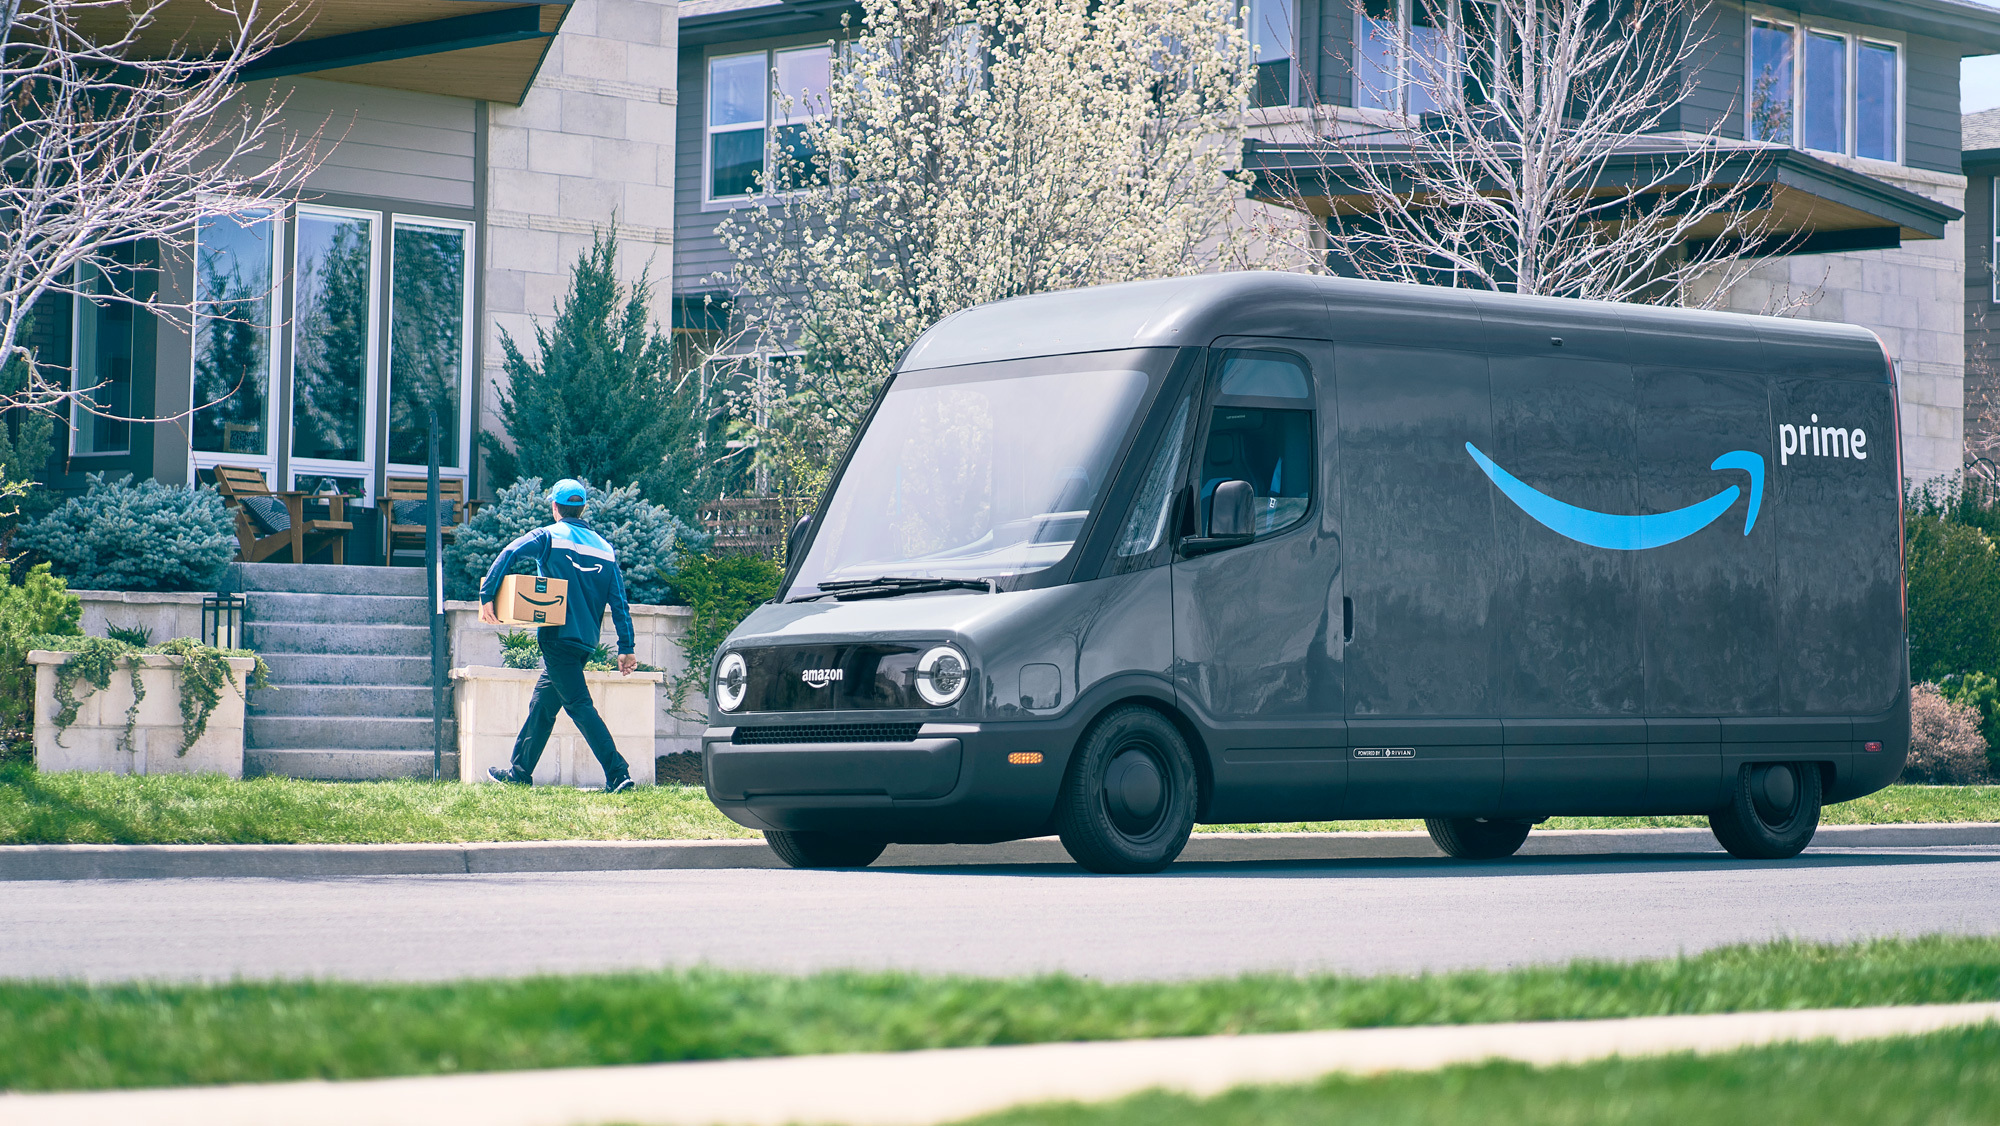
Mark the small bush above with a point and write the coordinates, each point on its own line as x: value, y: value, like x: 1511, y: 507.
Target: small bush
x: 41, y: 605
x: 146, y: 536
x: 647, y: 537
x: 1945, y: 745
x: 1980, y: 692
x: 721, y: 590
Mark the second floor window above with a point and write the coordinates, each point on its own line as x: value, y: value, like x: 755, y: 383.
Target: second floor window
x: 1270, y: 30
x: 760, y: 102
x: 1411, y: 53
x: 1824, y: 88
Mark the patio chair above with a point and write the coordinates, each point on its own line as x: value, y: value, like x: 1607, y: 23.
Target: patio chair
x: 268, y: 522
x: 404, y: 501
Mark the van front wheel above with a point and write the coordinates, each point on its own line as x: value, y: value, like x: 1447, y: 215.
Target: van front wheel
x: 1475, y: 838
x: 824, y: 850
x: 1127, y: 802
x: 1773, y: 811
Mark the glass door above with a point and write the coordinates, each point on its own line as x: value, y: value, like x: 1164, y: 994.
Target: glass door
x: 336, y: 261
x: 430, y: 347
x: 235, y: 359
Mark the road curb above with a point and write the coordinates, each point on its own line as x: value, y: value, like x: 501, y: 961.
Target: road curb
x: 943, y: 1085
x: 130, y: 862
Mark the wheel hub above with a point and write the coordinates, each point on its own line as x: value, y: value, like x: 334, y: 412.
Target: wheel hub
x: 1135, y: 791
x: 1775, y: 792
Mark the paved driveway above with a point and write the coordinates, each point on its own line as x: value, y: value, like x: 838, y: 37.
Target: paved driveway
x: 1193, y: 920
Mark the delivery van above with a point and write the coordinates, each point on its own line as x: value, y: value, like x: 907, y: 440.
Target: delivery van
x: 1261, y: 547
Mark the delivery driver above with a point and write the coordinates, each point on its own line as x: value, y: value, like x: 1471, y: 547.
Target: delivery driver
x: 567, y: 550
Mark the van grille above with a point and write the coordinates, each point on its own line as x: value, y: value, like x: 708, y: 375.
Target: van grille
x: 829, y: 733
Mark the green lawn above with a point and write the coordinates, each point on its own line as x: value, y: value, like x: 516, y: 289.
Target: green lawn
x: 179, y: 809
x: 72, y: 1035
x: 1943, y: 1079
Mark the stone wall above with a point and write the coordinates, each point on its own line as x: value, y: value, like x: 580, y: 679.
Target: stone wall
x: 1911, y: 296
x: 593, y: 142
x: 164, y: 615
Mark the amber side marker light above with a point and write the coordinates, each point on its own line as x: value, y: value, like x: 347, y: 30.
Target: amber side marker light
x: 1872, y: 747
x: 1024, y: 758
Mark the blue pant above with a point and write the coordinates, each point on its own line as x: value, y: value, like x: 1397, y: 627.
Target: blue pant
x: 562, y: 688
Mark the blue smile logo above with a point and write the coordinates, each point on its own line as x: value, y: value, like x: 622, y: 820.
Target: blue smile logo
x: 1630, y: 533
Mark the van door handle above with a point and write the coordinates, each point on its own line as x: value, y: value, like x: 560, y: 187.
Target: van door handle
x: 1346, y: 619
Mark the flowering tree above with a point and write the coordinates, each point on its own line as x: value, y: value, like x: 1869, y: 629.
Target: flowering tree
x: 1526, y: 145
x: 966, y: 151
x: 111, y: 131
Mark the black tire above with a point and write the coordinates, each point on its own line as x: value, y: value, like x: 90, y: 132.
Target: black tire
x: 1128, y: 798
x: 1475, y: 838
x: 1773, y: 811
x: 824, y: 850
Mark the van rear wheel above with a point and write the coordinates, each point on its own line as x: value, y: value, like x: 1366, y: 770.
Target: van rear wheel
x: 824, y: 850
x: 1475, y: 838
x: 1128, y: 797
x: 1773, y: 811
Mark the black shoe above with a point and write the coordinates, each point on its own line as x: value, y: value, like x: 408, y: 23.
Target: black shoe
x: 618, y: 787
x: 506, y: 775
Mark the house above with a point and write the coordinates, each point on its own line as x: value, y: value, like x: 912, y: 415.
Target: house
x: 1868, y: 193
x: 469, y: 154
x: 1980, y: 144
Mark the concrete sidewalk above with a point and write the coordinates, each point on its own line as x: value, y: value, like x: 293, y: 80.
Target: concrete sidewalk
x: 912, y: 1088
x: 112, y: 862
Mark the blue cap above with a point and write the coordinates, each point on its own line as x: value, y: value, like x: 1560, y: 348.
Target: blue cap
x: 569, y: 491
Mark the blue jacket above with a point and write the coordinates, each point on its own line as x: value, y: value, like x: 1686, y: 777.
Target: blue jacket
x: 570, y: 551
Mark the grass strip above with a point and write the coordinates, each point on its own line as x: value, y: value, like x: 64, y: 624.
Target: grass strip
x: 74, y: 1035
x: 1897, y: 805
x: 40, y: 808
x: 1940, y: 1079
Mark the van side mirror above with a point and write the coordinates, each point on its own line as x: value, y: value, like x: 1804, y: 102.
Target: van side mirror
x: 796, y: 538
x: 1231, y: 519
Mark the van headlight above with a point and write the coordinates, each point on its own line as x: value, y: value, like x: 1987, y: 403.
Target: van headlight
x: 732, y: 680
x: 941, y: 675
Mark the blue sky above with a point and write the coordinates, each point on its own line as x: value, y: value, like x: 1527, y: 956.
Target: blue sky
x: 1979, y: 82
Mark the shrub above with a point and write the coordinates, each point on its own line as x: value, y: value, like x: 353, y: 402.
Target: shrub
x: 1945, y: 745
x: 40, y: 605
x: 722, y: 590
x: 146, y: 536
x: 1980, y: 692
x: 1954, y: 584
x: 647, y: 537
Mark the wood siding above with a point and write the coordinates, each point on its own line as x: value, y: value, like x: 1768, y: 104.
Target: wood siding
x: 1982, y: 315
x: 1930, y: 98
x: 388, y: 144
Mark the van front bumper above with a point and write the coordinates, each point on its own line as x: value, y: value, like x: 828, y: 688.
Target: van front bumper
x: 953, y: 782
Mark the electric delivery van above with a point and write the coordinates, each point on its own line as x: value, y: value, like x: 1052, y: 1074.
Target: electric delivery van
x: 1264, y: 547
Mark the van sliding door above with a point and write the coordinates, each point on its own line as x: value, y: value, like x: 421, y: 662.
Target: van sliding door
x: 1423, y: 716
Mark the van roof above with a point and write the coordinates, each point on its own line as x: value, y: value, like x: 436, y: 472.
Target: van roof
x: 1197, y: 311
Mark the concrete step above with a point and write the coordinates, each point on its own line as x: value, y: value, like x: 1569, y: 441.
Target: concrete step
x: 297, y: 669
x: 270, y: 732
x: 331, y: 637
x: 390, y: 701
x: 345, y: 765
x: 343, y: 609
x: 312, y: 578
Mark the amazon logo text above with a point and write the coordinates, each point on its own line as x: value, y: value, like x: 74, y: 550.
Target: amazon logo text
x: 1821, y: 441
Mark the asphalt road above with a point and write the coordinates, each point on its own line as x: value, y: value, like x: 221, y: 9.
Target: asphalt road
x: 1193, y: 920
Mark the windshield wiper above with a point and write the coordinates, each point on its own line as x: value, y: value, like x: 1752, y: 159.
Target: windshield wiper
x: 889, y: 586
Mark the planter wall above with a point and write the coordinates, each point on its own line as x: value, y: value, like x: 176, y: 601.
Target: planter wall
x: 656, y: 630
x: 164, y: 615
x: 491, y: 703
x: 93, y: 742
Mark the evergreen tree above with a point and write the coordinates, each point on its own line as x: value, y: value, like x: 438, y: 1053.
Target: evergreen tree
x: 601, y: 403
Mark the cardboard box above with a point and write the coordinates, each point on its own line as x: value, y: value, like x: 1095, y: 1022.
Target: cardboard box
x: 529, y: 600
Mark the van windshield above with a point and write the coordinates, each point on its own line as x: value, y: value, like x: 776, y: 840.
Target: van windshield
x: 983, y: 472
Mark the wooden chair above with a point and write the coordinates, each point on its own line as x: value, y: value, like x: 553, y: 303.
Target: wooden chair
x: 412, y: 492
x: 238, y: 485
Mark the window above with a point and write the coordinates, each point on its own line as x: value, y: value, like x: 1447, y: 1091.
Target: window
x: 1270, y: 32
x: 333, y: 337
x: 1152, y: 507
x: 1993, y: 262
x: 1260, y: 431
x: 1409, y: 50
x: 105, y: 346
x: 1827, y: 88
x: 429, y: 349
x: 235, y: 272
x: 758, y: 103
